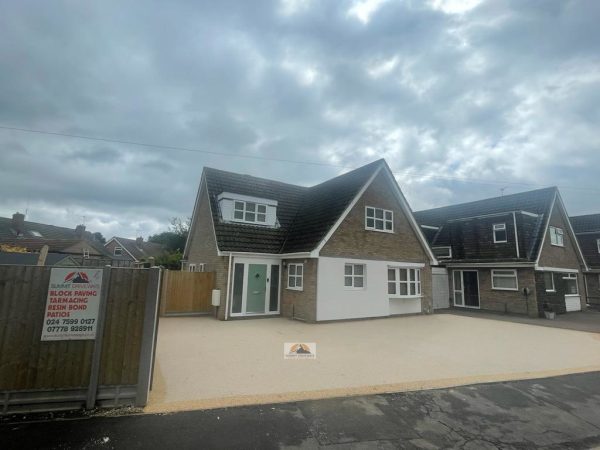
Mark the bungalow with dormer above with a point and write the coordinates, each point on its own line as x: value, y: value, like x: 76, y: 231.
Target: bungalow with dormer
x: 347, y: 248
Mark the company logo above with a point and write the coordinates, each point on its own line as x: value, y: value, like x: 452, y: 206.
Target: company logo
x: 295, y: 350
x: 77, y: 277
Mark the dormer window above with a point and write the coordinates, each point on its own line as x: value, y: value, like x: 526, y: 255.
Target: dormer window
x: 249, y: 212
x: 86, y: 253
x: 118, y: 251
x: 35, y: 233
x: 442, y: 252
x: 241, y: 208
x: 500, y: 235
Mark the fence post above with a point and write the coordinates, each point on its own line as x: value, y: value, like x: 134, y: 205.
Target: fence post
x: 96, y: 356
x: 148, y: 337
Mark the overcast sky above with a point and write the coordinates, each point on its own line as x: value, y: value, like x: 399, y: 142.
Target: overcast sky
x: 462, y: 98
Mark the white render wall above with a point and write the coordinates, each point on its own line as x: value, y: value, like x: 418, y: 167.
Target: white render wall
x: 334, y: 301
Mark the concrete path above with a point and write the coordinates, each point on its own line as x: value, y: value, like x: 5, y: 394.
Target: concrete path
x: 554, y: 413
x: 205, y: 363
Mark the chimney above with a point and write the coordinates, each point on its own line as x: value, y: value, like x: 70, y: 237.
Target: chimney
x: 80, y: 231
x: 139, y: 241
x: 18, y: 223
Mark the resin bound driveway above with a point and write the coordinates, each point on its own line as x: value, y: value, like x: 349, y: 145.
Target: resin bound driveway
x: 205, y: 363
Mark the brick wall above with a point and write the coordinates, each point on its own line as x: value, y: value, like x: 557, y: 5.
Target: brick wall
x: 351, y: 240
x: 505, y: 301
x: 593, y: 288
x: 556, y: 300
x: 554, y: 256
x: 202, y: 249
x: 300, y: 304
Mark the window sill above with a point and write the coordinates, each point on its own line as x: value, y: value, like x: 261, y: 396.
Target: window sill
x: 572, y: 295
x: 349, y: 288
x: 505, y: 289
x: 557, y: 245
x: 294, y: 289
x: 500, y: 242
x: 551, y: 292
x: 404, y: 297
x: 380, y: 231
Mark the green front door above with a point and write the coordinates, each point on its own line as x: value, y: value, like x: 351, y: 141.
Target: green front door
x: 257, y: 288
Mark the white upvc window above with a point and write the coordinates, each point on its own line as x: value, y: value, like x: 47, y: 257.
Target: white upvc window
x: 404, y: 282
x: 86, y: 253
x: 549, y: 282
x: 598, y: 244
x: 556, y: 236
x: 442, y: 252
x: 118, y: 251
x: 249, y: 212
x: 571, y: 286
x: 191, y: 267
x: 504, y: 280
x: 500, y: 234
x: 295, y: 277
x: 378, y: 219
x: 354, y: 276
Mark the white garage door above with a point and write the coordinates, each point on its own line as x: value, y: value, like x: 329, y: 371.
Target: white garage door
x: 441, y: 294
x: 573, y: 303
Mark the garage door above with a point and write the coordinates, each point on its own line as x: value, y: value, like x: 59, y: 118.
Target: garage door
x: 441, y: 294
x: 573, y: 303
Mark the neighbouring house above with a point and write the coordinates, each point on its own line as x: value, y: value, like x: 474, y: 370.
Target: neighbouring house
x: 33, y: 259
x: 516, y: 253
x: 133, y: 252
x: 587, y: 230
x: 74, y: 244
x: 347, y: 248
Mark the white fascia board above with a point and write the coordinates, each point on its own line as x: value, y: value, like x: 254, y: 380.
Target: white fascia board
x: 481, y: 216
x: 333, y: 229
x: 491, y: 264
x: 429, y: 227
x: 573, y: 236
x: 368, y: 261
x: 556, y: 269
x: 246, y: 198
x: 408, y: 213
x: 530, y: 214
x: 114, y: 238
x: 537, y: 260
x: 269, y: 255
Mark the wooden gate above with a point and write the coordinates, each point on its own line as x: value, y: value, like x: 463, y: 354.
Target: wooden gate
x: 186, y: 293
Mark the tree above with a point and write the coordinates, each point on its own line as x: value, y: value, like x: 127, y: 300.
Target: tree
x: 98, y: 237
x: 174, y: 242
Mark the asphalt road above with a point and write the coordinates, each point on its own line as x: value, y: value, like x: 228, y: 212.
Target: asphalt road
x: 559, y: 412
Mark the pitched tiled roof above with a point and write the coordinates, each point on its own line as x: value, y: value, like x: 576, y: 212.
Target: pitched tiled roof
x: 31, y: 259
x: 304, y: 214
x: 146, y: 250
x: 455, y: 228
x: 587, y: 231
x: 585, y: 224
x: 30, y: 229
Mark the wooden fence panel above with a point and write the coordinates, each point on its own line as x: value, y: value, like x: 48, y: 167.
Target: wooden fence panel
x: 32, y: 370
x: 186, y: 292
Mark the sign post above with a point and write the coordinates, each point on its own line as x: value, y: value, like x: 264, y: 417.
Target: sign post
x: 72, y: 304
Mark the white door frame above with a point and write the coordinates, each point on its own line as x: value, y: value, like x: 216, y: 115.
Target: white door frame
x: 269, y: 262
x: 462, y: 290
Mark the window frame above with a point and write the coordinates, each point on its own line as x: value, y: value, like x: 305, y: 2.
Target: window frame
x: 416, y: 282
x: 571, y: 276
x: 598, y: 244
x: 120, y: 251
x: 86, y: 253
x: 192, y: 267
x: 500, y: 227
x: 383, y: 219
x: 554, y: 233
x: 355, y: 276
x: 442, y: 256
x: 295, y: 276
x: 515, y: 276
x: 553, y: 284
x: 245, y: 211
